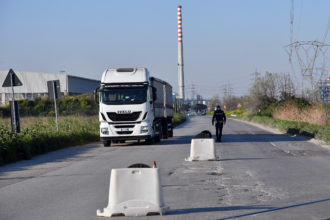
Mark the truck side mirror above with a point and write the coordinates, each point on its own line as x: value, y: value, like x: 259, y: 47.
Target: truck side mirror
x: 154, y: 93
x: 95, y: 94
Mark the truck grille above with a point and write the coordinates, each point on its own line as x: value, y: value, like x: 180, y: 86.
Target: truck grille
x: 124, y: 132
x: 124, y: 126
x: 124, y: 117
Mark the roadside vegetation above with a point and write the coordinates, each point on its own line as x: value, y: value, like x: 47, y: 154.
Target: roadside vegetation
x: 67, y: 105
x: 321, y: 132
x: 39, y: 136
x: 178, y: 118
x: 78, y: 124
x: 272, y: 102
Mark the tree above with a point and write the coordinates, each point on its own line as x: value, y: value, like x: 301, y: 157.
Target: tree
x: 214, y: 102
x: 285, y: 86
x: 199, y: 107
x: 263, y: 91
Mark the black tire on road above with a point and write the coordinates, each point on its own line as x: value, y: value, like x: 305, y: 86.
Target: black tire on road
x: 106, y: 143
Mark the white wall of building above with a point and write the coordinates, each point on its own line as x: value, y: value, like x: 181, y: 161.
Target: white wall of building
x: 35, y: 85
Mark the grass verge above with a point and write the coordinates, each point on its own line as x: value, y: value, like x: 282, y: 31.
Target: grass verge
x: 42, y: 137
x: 291, y: 127
x: 178, y: 118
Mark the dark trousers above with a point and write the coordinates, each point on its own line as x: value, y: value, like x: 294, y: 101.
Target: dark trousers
x: 218, y: 127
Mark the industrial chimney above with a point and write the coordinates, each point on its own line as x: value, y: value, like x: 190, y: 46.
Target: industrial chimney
x: 180, y: 55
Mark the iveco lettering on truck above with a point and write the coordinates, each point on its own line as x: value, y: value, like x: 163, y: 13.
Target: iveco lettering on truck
x: 134, y: 106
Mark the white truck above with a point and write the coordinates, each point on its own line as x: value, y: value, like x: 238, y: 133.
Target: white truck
x: 134, y: 106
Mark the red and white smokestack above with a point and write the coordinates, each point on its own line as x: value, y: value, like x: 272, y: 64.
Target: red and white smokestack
x: 180, y: 55
x: 179, y: 25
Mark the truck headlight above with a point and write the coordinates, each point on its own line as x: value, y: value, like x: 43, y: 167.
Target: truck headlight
x: 104, y: 131
x: 144, y: 129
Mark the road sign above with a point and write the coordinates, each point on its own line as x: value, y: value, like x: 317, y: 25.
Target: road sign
x: 15, y: 124
x: 57, y: 89
x: 54, y: 92
x: 11, y: 79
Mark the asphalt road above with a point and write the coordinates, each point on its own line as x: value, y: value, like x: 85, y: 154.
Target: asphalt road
x: 260, y: 175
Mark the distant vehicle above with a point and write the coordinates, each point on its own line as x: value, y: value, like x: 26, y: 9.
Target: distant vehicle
x: 134, y: 106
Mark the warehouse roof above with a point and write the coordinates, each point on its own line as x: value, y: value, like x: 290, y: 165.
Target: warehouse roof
x: 35, y: 82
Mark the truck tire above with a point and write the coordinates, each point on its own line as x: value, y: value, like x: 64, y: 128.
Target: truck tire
x: 106, y: 143
x: 149, y: 141
x: 170, y: 132
x: 158, y: 128
x: 165, y: 130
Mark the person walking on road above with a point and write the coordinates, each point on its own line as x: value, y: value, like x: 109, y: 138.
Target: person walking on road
x: 220, y: 119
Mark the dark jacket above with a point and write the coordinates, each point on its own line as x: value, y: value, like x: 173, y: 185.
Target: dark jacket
x: 219, y: 116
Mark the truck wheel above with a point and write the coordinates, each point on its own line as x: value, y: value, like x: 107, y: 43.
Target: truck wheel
x: 149, y: 141
x: 170, y: 126
x: 158, y: 128
x: 106, y: 143
x: 160, y: 135
x: 170, y: 133
x: 157, y: 139
x: 165, y: 130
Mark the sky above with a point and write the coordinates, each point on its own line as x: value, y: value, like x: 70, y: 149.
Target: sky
x: 224, y: 42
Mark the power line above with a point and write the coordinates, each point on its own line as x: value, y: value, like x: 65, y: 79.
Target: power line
x: 311, y: 55
x: 326, y: 32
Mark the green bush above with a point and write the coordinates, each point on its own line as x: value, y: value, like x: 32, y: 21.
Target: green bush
x: 178, y: 118
x: 42, y: 137
x: 67, y: 105
x: 237, y: 112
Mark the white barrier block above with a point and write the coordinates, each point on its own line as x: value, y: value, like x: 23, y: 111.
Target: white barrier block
x: 134, y: 192
x: 202, y: 149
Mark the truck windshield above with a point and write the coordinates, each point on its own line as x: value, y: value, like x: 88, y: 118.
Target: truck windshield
x: 119, y: 96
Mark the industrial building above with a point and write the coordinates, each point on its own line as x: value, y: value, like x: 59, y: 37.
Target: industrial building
x: 35, y: 85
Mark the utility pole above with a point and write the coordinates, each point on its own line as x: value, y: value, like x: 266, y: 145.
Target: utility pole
x: 54, y: 92
x: 227, y: 90
x: 193, y: 91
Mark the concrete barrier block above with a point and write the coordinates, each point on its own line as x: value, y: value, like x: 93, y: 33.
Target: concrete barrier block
x: 134, y: 192
x: 202, y: 149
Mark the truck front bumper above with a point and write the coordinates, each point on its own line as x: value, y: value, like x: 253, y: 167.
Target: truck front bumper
x: 122, y: 138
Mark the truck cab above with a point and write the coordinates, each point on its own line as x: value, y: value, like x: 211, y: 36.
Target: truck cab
x: 132, y: 108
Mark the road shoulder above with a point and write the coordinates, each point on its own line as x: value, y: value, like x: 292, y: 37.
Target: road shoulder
x: 276, y: 131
